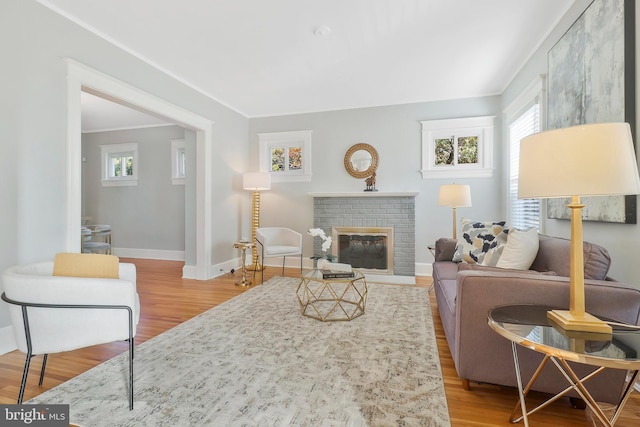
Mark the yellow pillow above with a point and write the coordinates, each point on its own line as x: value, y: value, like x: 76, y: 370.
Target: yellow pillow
x: 86, y: 265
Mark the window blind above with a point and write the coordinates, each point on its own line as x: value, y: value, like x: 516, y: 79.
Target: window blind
x: 524, y: 213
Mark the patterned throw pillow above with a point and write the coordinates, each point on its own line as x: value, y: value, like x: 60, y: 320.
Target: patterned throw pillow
x: 480, y: 242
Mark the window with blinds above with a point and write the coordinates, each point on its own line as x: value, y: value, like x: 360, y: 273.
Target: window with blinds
x: 524, y: 213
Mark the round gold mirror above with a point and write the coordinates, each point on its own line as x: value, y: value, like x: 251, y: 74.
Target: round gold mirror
x: 361, y: 160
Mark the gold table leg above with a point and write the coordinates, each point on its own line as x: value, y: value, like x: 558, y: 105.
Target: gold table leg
x: 575, y: 383
x: 243, y: 280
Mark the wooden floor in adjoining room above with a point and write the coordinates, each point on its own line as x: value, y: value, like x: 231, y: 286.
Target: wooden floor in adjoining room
x: 167, y: 300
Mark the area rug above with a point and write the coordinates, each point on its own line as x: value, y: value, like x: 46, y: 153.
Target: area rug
x: 256, y: 361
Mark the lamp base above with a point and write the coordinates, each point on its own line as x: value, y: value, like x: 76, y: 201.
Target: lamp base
x: 255, y: 267
x: 585, y: 323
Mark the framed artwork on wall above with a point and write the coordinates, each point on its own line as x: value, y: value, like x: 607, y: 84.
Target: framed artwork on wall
x: 592, y: 80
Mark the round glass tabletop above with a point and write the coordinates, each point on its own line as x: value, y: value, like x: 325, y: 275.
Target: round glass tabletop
x: 528, y: 326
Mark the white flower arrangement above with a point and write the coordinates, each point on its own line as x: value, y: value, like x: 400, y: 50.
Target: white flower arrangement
x: 326, y: 240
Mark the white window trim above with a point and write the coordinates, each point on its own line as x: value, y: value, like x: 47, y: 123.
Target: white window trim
x: 535, y: 90
x: 119, y: 181
x: 480, y: 126
x: 177, y: 173
x: 277, y: 139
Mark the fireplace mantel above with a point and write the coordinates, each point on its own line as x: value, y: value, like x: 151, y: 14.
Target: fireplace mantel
x: 367, y: 194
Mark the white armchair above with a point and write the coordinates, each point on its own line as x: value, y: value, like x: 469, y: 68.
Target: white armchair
x: 279, y: 242
x: 52, y: 314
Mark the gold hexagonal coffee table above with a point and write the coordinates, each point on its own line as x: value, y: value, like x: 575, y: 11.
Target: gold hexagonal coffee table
x: 331, y: 300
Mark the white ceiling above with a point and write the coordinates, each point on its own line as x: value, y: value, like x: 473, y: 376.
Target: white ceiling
x: 99, y: 115
x: 263, y: 58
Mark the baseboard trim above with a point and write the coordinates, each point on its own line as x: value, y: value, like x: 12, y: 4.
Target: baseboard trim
x: 395, y: 280
x: 7, y: 340
x: 166, y: 255
x: 424, y: 269
x: 215, y: 270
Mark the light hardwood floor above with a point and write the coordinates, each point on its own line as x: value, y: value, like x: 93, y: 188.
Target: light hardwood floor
x: 167, y: 300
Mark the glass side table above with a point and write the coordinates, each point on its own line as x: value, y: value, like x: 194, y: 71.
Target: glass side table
x: 332, y: 299
x: 527, y: 326
x: 244, y: 246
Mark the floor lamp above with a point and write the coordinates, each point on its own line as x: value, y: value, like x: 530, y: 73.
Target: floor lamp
x: 586, y: 160
x: 256, y: 182
x: 455, y: 196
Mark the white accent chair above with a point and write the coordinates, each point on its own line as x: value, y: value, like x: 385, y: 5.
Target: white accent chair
x: 279, y: 242
x: 52, y: 314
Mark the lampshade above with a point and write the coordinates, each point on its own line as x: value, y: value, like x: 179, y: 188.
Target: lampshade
x: 256, y: 181
x: 586, y: 160
x: 454, y: 195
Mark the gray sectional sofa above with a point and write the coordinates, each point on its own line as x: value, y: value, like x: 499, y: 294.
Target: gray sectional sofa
x: 466, y: 292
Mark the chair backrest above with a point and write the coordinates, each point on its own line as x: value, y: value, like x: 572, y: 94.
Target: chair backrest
x: 278, y: 236
x: 62, y: 329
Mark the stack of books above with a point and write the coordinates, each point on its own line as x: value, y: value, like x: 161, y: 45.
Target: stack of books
x: 336, y: 274
x: 334, y: 270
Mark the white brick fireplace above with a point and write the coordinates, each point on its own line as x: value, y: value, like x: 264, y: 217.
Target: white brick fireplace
x: 371, y: 215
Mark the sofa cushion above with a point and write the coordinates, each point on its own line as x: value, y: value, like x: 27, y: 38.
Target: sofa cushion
x: 521, y: 249
x: 481, y: 242
x: 553, y: 255
x: 449, y: 289
x: 445, y: 270
x: 445, y: 248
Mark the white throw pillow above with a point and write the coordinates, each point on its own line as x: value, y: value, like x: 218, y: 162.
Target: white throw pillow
x: 521, y: 249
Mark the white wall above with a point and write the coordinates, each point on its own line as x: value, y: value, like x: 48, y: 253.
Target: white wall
x: 33, y: 132
x: 621, y: 240
x: 395, y: 132
x: 146, y: 219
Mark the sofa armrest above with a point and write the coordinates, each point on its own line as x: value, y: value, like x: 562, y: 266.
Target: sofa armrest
x: 445, y: 248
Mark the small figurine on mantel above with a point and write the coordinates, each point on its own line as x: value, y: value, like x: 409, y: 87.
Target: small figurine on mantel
x: 371, y: 182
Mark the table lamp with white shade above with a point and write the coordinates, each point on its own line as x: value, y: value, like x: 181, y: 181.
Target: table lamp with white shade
x: 255, y: 182
x: 586, y: 160
x: 455, y: 196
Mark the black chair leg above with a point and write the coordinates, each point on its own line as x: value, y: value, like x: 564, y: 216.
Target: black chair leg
x: 131, y: 374
x: 44, y: 365
x: 300, y: 264
x: 25, y: 373
x: 284, y: 258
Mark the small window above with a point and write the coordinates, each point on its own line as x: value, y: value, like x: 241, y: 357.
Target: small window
x: 119, y: 164
x: 457, y: 148
x: 287, y: 155
x: 178, y: 162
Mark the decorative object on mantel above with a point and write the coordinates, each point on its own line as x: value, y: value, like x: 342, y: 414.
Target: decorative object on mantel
x: 326, y: 245
x: 371, y: 183
x: 455, y: 196
x: 256, y: 182
x: 587, y: 160
x: 361, y: 161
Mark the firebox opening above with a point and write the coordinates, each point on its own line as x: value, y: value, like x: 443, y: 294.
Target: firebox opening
x: 365, y: 248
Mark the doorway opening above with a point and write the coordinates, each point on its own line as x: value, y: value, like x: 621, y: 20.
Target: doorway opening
x: 81, y: 77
